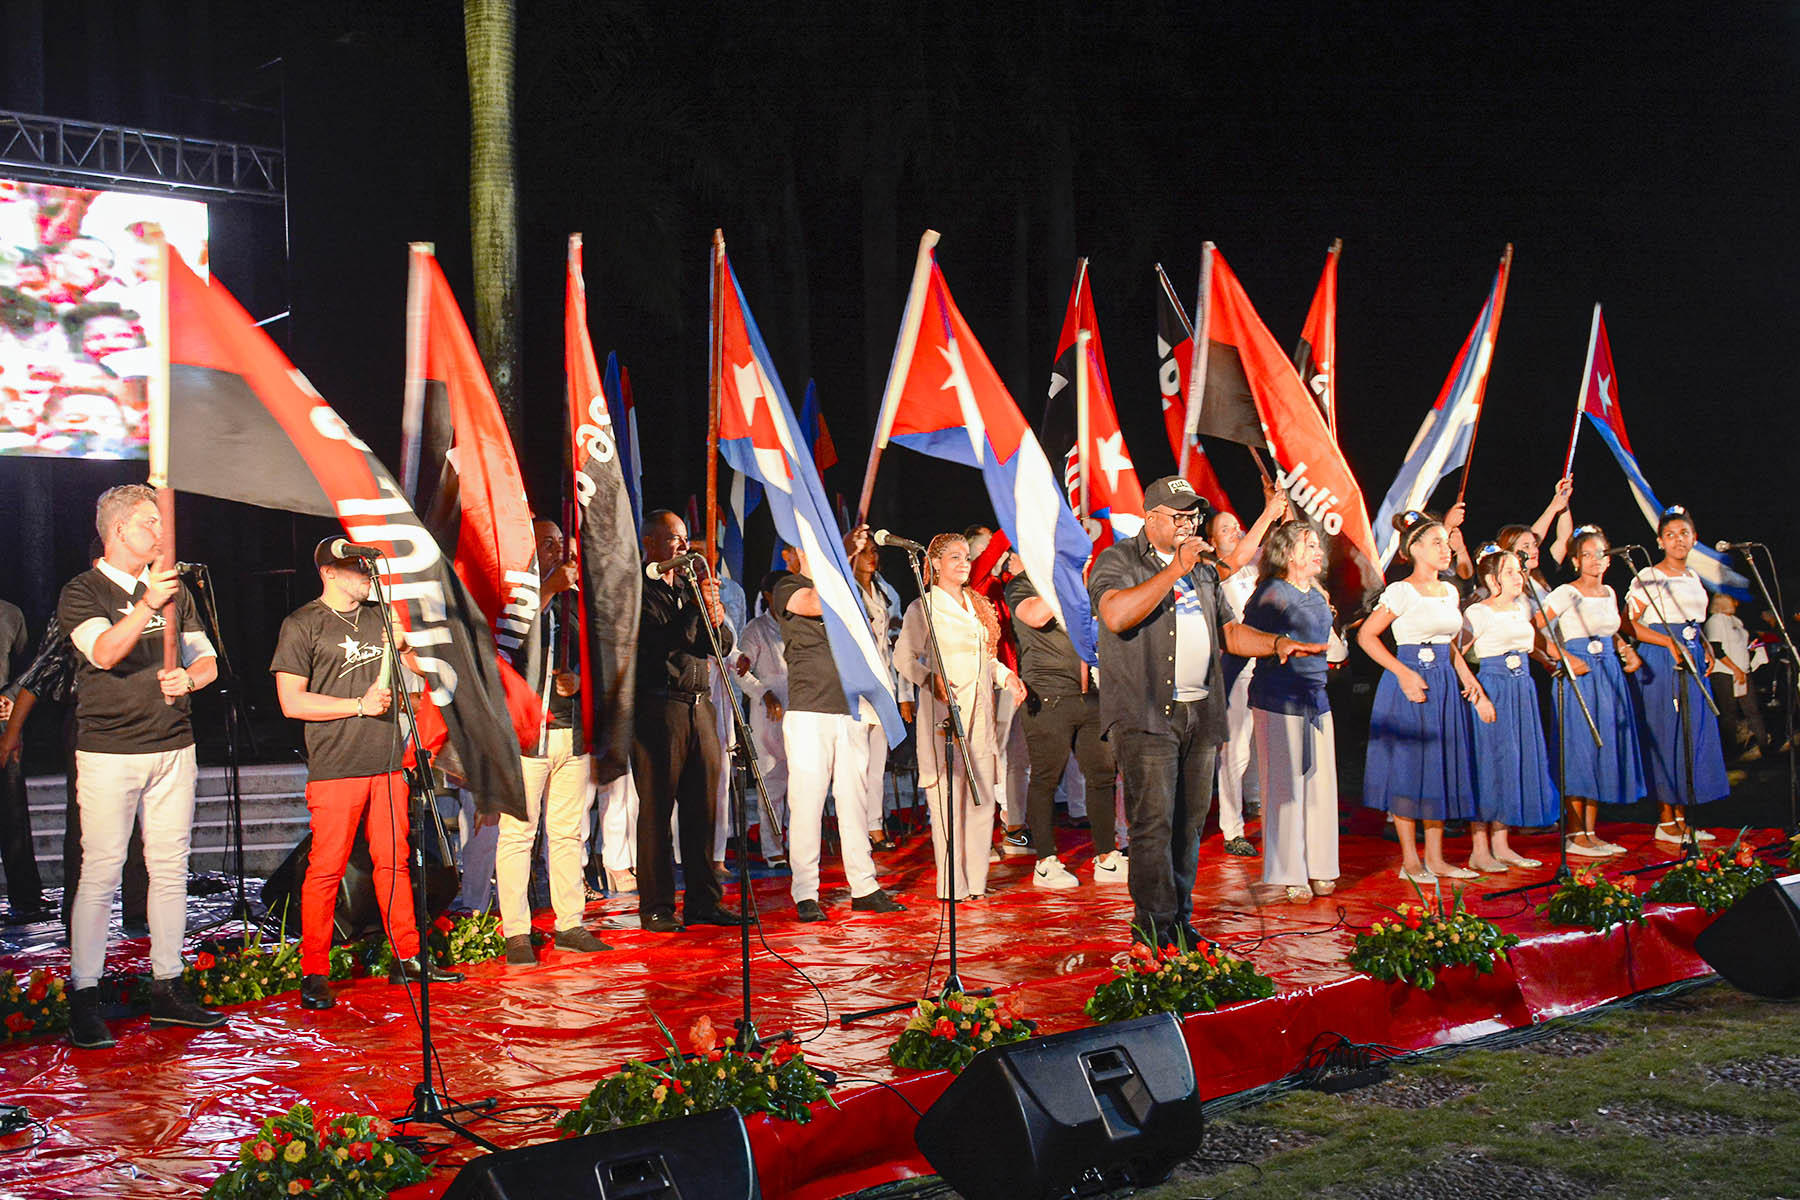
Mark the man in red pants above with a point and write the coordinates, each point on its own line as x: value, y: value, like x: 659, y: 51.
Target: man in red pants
x: 328, y: 673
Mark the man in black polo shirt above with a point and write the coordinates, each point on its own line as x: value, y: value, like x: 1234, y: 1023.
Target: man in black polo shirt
x: 675, y: 755
x: 329, y: 667
x: 1163, y: 622
x: 1062, y: 712
x: 826, y: 751
x: 134, y: 753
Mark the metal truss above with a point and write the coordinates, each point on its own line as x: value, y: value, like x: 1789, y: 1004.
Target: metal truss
x: 85, y: 154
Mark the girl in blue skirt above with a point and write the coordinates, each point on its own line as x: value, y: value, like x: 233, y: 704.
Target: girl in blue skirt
x: 1420, y: 761
x: 1512, y: 767
x: 1586, y: 613
x: 1667, y: 603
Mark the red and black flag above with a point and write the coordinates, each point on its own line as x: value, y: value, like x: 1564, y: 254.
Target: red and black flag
x: 1315, y: 356
x: 605, y: 543
x: 1057, y: 429
x: 247, y: 426
x: 1174, y: 355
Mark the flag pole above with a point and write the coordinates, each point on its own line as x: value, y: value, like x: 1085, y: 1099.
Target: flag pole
x: 1083, y: 424
x: 1197, y: 371
x: 157, y: 415
x: 1494, y: 334
x: 1587, y: 373
x: 1336, y: 251
x: 897, y: 370
x: 412, y: 415
x: 564, y: 655
x: 716, y: 319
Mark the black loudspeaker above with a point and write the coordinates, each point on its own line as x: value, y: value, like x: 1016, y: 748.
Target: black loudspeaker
x: 1101, y: 1108
x: 1755, y: 944
x: 358, y: 915
x: 703, y: 1157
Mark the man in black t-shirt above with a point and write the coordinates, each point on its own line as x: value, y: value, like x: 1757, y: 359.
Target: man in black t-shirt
x: 134, y: 753
x: 23, y: 887
x: 332, y: 671
x: 826, y: 751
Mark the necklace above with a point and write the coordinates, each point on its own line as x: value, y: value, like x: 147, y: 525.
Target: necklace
x: 350, y: 621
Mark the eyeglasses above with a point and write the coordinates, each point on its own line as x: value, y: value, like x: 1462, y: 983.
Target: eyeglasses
x: 1178, y: 518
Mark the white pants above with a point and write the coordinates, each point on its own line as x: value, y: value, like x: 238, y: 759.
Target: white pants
x: 617, y: 817
x: 974, y: 836
x: 827, y: 751
x: 556, y: 791
x: 114, y: 791
x: 771, y: 760
x: 1238, y: 774
x: 1015, y: 757
x: 478, y: 846
x: 1298, y: 769
x: 722, y: 830
x: 874, y: 791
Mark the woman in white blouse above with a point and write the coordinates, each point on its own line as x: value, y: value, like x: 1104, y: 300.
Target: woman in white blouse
x: 966, y: 637
x: 1586, y: 613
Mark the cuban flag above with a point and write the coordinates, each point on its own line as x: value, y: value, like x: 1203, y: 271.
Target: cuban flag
x: 1443, y: 441
x: 1600, y: 402
x: 759, y: 436
x: 617, y: 386
x: 741, y: 499
x: 818, y: 437
x: 945, y: 399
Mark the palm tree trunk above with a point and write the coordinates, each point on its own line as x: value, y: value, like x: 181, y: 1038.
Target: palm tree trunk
x: 488, y: 27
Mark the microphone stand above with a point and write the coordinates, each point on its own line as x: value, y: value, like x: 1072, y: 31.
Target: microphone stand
x: 237, y: 723
x: 429, y: 1106
x: 956, y: 744
x: 743, y: 763
x: 1787, y: 642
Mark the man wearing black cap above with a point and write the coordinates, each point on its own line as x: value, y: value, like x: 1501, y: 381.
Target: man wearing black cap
x: 1163, y: 623
x: 332, y: 672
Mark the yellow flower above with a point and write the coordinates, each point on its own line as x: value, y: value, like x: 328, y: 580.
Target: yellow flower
x: 295, y: 1151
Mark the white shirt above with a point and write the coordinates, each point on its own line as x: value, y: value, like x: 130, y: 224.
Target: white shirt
x: 1729, y: 633
x: 1584, y: 617
x: 761, y: 644
x: 1681, y: 597
x: 1420, y: 619
x: 1499, y: 631
x: 1193, y: 640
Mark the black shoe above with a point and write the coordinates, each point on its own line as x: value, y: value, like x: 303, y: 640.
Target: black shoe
x: 30, y: 913
x: 519, y: 952
x: 170, y: 1004
x: 876, y: 901
x: 714, y: 916
x: 660, y: 922
x: 578, y: 939
x: 315, y: 992
x: 135, y: 929
x: 406, y: 970
x: 808, y: 910
x: 883, y: 845
x: 1240, y: 846
x: 86, y: 1030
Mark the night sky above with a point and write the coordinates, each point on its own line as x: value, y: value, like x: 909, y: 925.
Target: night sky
x: 1643, y: 156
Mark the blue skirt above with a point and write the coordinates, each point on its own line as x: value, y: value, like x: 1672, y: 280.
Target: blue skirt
x: 1665, y: 761
x: 1512, y: 762
x: 1613, y: 773
x: 1420, y: 761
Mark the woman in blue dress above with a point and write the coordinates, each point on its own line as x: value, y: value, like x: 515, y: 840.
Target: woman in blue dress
x: 1586, y: 613
x: 1512, y: 767
x: 1667, y: 603
x: 1420, y: 764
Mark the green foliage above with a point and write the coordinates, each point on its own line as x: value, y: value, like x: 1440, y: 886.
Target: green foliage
x: 298, y: 1153
x: 1423, y: 939
x: 1593, y: 901
x: 254, y: 971
x: 1176, y: 980
x: 945, y: 1036
x: 1715, y: 880
x: 469, y: 939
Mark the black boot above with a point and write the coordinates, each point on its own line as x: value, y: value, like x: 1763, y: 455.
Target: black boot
x: 86, y: 1030
x: 170, y: 1004
x: 315, y: 992
x: 406, y: 970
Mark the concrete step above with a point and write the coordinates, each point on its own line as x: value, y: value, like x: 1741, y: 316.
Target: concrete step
x: 256, y: 779
x: 256, y: 808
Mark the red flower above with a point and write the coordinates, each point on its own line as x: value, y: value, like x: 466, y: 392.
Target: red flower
x: 1413, y: 922
x: 1745, y: 856
x: 702, y: 1036
x: 943, y: 1028
x: 204, y: 961
x: 382, y: 1127
x: 675, y: 1085
x: 283, y: 1137
x: 443, y: 924
x: 361, y: 1151
x: 41, y: 986
x: 18, y: 1022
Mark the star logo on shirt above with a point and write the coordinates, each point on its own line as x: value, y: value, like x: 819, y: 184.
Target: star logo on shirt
x: 153, y: 625
x: 357, y: 653
x: 351, y: 648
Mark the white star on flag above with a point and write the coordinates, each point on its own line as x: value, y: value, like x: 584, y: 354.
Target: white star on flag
x: 1604, y: 387
x: 1111, y: 452
x: 965, y: 400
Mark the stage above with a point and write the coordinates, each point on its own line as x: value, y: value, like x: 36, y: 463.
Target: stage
x: 161, y: 1114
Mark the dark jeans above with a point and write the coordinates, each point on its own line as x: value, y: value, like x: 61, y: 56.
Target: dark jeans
x: 134, y: 898
x: 1168, y: 792
x: 675, y: 759
x: 1739, y: 718
x: 1053, y: 726
x: 23, y: 887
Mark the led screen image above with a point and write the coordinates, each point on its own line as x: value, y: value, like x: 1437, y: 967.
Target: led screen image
x: 75, y: 286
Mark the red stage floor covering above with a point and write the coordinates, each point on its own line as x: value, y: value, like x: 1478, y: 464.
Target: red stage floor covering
x: 165, y: 1111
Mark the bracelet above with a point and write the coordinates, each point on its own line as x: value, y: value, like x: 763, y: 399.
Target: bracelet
x: 1275, y: 646
x: 189, y: 678
x: 359, y: 711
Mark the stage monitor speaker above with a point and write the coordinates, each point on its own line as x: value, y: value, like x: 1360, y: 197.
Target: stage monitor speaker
x: 358, y: 914
x: 1755, y: 944
x: 702, y: 1157
x: 1097, y: 1109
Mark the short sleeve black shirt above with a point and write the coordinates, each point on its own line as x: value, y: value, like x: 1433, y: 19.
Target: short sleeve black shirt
x: 339, y: 654
x: 1047, y: 660
x: 813, y: 683
x: 121, y: 711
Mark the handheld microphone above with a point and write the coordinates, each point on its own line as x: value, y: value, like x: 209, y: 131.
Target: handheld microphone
x: 1728, y: 547
x: 345, y: 548
x: 680, y: 563
x: 884, y: 538
x: 1625, y: 551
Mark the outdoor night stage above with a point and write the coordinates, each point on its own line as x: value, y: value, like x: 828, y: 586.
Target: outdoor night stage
x: 167, y: 1109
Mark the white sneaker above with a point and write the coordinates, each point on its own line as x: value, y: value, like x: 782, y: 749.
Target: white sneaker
x: 1112, y: 867
x: 1050, y: 873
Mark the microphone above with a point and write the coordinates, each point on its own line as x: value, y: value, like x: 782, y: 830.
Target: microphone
x: 345, y: 548
x: 190, y: 568
x: 884, y: 538
x: 681, y: 562
x: 1625, y: 551
x: 1728, y: 547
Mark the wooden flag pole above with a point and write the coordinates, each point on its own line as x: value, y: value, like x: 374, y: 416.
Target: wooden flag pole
x: 412, y: 413
x: 1494, y: 332
x: 1587, y: 373
x: 157, y: 398
x: 897, y: 370
x: 1336, y: 251
x: 571, y: 511
x: 714, y: 369
x: 1083, y: 423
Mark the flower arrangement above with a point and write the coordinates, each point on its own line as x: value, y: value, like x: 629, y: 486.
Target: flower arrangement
x: 1176, y: 980
x: 1593, y: 901
x: 1715, y: 880
x: 467, y: 939
x: 225, y: 975
x: 39, y: 1003
x: 300, y: 1153
x: 947, y: 1034
x: 1423, y: 938
x: 716, y: 1074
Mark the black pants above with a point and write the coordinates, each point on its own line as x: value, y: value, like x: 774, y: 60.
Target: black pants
x: 23, y: 887
x: 675, y: 759
x: 1739, y: 718
x: 1055, y: 725
x: 135, y: 893
x: 1168, y: 792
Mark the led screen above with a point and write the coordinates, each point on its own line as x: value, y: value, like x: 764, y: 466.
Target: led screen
x: 74, y: 289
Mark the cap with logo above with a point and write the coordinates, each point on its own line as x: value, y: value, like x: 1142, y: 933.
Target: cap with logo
x: 1172, y: 491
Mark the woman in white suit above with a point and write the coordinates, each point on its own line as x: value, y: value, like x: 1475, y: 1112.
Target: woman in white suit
x: 967, y: 630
